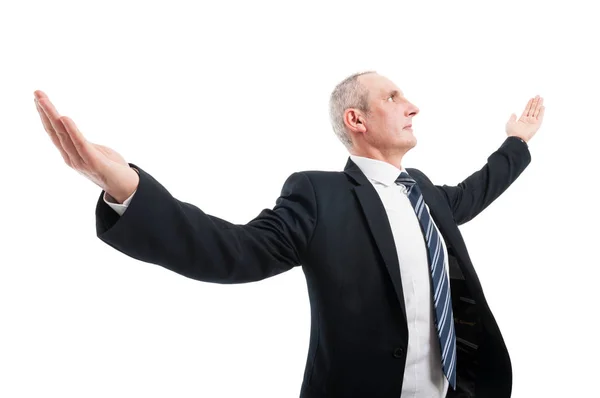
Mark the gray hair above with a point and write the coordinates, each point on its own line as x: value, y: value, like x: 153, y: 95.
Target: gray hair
x: 349, y: 93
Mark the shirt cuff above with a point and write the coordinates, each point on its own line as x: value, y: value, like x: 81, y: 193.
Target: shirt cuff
x: 117, y: 207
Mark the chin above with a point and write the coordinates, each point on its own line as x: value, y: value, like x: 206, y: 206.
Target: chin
x: 409, y: 139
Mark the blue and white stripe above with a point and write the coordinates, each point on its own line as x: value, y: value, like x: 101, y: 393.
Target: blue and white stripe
x: 444, y: 318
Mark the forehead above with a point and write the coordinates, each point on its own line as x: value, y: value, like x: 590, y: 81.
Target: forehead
x: 378, y: 84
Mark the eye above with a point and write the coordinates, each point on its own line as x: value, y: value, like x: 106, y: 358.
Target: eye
x: 391, y: 96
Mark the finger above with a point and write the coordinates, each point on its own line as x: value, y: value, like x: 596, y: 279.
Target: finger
x: 532, y: 106
x: 81, y: 145
x: 59, y: 128
x: 526, y: 110
x: 50, y: 130
x: 45, y: 121
x: 538, y: 107
x: 39, y: 94
x: 51, y: 113
x: 541, y: 114
x: 535, y: 106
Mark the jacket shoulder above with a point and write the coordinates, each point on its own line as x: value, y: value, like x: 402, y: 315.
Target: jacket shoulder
x: 413, y: 171
x: 418, y: 175
x: 323, y: 177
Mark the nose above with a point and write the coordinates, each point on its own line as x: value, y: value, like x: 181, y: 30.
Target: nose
x: 412, y: 110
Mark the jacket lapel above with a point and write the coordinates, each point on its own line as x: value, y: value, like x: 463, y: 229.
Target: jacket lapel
x: 459, y: 262
x: 429, y: 196
x: 445, y: 224
x: 379, y: 225
x: 382, y: 233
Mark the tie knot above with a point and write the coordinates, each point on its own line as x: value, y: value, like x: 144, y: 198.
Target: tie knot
x: 405, y: 179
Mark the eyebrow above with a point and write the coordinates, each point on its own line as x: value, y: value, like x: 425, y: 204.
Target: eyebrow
x: 395, y: 92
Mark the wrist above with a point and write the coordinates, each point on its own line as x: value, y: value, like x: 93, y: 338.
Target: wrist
x: 128, y: 188
x: 520, y: 138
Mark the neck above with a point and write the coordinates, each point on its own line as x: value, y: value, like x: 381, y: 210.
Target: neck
x: 395, y: 159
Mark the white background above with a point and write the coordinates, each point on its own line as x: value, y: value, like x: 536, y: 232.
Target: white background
x: 220, y: 102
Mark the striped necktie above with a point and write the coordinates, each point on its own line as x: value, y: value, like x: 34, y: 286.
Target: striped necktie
x: 440, y: 284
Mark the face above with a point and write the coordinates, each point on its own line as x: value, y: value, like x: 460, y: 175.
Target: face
x: 384, y: 129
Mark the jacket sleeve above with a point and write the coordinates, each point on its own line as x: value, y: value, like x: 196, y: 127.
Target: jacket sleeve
x: 160, y: 229
x: 480, y: 189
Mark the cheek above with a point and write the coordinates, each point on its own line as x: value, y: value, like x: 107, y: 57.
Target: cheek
x: 393, y: 123
x: 393, y: 119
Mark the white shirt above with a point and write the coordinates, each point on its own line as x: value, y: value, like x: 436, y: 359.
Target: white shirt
x: 423, y: 376
x: 119, y: 208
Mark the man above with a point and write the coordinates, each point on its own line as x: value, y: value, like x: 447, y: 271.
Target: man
x: 397, y: 309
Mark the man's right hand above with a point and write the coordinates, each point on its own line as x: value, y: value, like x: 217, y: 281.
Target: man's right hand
x: 103, y: 166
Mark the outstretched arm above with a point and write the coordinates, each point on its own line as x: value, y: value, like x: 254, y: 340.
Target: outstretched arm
x: 474, y: 194
x: 480, y: 189
x: 160, y: 229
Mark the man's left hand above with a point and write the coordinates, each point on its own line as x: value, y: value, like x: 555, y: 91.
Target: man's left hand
x: 529, y: 122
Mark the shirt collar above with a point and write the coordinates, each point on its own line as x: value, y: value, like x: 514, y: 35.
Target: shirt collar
x: 377, y: 170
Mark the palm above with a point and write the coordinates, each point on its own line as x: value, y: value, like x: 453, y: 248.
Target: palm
x: 529, y: 122
x: 102, y: 161
x: 100, y: 164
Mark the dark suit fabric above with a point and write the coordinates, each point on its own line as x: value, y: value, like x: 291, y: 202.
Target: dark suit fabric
x: 334, y: 226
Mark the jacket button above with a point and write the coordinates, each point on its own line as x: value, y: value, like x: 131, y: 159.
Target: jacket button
x: 398, y: 353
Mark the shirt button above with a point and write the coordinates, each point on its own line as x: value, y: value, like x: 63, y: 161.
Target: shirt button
x: 398, y: 353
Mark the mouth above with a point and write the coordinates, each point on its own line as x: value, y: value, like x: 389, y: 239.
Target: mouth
x: 407, y: 127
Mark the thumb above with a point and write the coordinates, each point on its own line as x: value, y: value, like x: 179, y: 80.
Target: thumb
x: 513, y: 118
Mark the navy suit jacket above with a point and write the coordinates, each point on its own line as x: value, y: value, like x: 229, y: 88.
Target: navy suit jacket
x: 334, y: 225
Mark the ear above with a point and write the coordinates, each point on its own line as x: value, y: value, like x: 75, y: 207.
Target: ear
x: 355, y: 120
